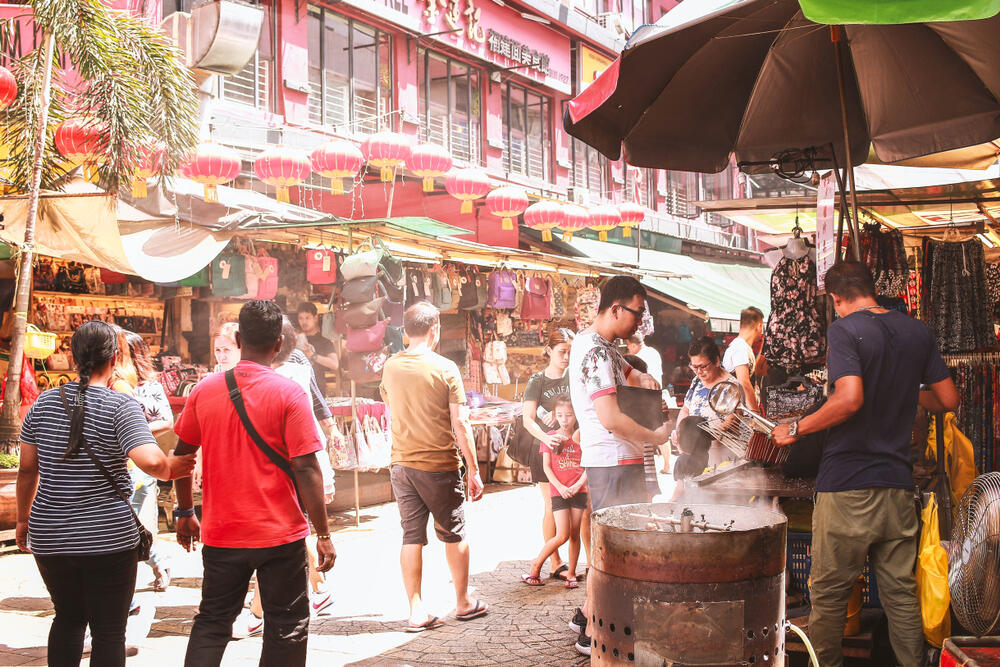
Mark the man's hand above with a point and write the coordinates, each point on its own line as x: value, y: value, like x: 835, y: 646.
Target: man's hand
x: 188, y: 532
x: 475, y: 485
x: 647, y: 381
x: 21, y: 536
x: 326, y: 554
x: 662, y: 434
x: 780, y: 435
x: 180, y: 466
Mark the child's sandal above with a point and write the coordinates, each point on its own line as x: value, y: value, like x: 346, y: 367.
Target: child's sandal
x: 571, y: 582
x: 532, y: 580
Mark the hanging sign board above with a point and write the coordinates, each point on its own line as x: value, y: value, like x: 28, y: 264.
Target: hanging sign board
x: 826, y: 246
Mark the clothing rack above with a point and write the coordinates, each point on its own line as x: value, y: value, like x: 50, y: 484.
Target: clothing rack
x: 977, y: 376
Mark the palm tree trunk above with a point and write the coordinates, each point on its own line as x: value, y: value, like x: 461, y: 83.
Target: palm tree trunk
x: 10, y: 420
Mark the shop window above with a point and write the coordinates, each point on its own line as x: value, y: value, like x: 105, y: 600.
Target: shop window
x: 253, y: 86
x: 590, y: 169
x: 350, y: 73
x: 682, y: 189
x: 527, y: 118
x: 450, y: 105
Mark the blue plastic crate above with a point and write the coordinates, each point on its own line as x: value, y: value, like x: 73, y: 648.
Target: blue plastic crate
x: 799, y: 546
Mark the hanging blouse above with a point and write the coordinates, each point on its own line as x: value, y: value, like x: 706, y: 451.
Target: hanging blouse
x: 795, y: 332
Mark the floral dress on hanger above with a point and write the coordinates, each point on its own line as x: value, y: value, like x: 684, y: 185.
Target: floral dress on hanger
x: 795, y: 332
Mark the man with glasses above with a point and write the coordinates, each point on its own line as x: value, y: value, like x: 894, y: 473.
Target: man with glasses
x: 611, y: 441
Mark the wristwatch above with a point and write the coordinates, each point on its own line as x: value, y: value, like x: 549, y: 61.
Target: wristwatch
x: 793, y: 430
x: 183, y: 514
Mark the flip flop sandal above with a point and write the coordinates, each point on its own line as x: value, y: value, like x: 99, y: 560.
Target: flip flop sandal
x: 532, y: 580
x: 479, y: 609
x: 559, y: 572
x: 571, y: 582
x: 430, y: 624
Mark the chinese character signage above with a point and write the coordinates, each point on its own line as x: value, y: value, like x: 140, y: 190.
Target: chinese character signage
x: 826, y: 243
x: 517, y: 52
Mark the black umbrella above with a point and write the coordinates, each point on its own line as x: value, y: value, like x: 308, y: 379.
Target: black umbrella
x: 757, y: 77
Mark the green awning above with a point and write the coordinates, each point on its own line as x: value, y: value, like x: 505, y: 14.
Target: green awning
x: 720, y: 290
x: 888, y: 12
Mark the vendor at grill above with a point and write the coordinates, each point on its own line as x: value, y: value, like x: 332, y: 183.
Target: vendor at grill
x: 877, y: 360
x: 694, y: 443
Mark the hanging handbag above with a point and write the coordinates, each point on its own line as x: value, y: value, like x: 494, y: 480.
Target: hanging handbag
x: 362, y: 315
x: 535, y: 304
x: 359, y: 290
x: 467, y: 300
x: 145, y: 537
x: 199, y: 279
x: 321, y: 266
x: 415, y: 287
x: 367, y: 340
x: 361, y: 263
x: 229, y: 278
x: 365, y: 455
x: 377, y: 443
x: 265, y: 273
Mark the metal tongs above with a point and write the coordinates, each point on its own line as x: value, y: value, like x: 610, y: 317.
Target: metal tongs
x: 726, y: 398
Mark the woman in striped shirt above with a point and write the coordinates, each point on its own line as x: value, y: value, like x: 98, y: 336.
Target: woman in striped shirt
x: 81, y: 533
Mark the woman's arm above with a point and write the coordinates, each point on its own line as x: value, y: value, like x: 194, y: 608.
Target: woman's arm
x: 151, y: 459
x: 27, y: 485
x: 547, y: 466
x: 528, y: 412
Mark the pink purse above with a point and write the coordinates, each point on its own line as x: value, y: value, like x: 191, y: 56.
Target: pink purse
x: 367, y: 340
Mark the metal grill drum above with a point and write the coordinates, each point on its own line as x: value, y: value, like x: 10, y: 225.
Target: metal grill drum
x: 660, y: 596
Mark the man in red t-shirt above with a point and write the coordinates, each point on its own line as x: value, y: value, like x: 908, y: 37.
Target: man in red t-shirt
x: 252, y: 518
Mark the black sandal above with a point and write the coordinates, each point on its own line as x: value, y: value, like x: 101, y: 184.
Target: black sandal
x: 559, y: 572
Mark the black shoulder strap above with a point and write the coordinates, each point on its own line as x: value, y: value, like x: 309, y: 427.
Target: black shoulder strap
x: 100, y: 466
x: 241, y: 409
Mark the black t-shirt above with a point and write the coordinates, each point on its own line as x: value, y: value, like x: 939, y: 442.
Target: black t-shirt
x: 324, y: 348
x: 544, y: 390
x: 893, y: 354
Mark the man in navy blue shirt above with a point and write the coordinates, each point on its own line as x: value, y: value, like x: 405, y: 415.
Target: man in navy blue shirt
x: 877, y: 361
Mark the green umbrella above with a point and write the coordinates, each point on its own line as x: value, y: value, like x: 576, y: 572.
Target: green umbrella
x: 886, y: 12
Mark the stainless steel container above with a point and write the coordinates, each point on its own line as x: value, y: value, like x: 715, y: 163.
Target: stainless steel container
x: 663, y: 596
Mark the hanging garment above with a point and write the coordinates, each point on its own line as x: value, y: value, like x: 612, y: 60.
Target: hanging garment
x: 957, y: 307
x: 993, y: 291
x: 795, y: 332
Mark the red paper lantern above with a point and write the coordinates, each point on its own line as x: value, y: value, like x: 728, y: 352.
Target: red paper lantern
x: 603, y: 219
x: 8, y: 88
x: 632, y: 216
x: 82, y: 141
x: 337, y: 160
x: 467, y: 185
x: 283, y: 168
x: 545, y: 216
x: 429, y: 161
x: 212, y: 165
x: 387, y: 151
x: 150, y: 165
x: 576, y: 218
x: 507, y: 203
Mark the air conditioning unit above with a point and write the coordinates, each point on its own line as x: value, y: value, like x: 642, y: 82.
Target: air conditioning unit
x: 218, y: 36
x: 580, y: 196
x: 616, y: 23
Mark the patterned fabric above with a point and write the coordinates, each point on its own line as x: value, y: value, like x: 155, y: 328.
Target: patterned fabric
x: 588, y: 298
x: 557, y: 301
x: 884, y: 254
x: 795, y: 329
x: 153, y: 400
x: 696, y: 400
x: 956, y: 310
x: 993, y: 290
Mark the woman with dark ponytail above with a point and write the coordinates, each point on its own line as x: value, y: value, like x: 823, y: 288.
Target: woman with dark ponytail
x: 81, y: 532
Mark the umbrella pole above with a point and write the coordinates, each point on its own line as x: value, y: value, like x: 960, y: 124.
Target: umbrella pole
x: 852, y: 218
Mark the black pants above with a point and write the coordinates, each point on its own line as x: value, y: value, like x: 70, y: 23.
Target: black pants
x: 282, y: 582
x: 94, y: 590
x: 694, y: 443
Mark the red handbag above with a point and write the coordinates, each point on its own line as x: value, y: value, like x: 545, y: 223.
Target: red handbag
x: 535, y: 302
x: 110, y: 277
x: 321, y: 266
x: 367, y: 340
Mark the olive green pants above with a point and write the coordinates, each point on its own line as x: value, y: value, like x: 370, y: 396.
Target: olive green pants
x: 847, y: 527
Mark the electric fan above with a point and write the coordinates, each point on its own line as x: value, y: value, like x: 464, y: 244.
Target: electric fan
x: 974, y: 557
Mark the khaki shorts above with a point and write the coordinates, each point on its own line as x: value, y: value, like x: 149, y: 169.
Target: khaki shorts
x: 420, y: 494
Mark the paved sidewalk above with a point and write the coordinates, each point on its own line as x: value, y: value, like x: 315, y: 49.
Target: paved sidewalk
x: 526, y: 626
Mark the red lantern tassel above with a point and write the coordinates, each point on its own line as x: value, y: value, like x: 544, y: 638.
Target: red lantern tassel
x: 139, y: 189
x: 211, y: 193
x: 336, y: 186
x: 283, y: 194
x: 602, y: 235
x: 546, y: 235
x: 567, y: 236
x: 627, y: 232
x: 466, y: 207
x: 386, y: 174
x: 428, y: 184
x: 508, y: 224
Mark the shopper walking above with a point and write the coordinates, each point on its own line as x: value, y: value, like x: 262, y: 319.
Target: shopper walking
x: 740, y: 359
x: 73, y: 512
x: 877, y: 360
x: 568, y: 484
x: 538, y: 417
x: 612, y: 442
x: 426, y: 399
x: 259, y: 443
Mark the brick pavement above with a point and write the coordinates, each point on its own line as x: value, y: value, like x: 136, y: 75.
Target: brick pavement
x: 526, y: 626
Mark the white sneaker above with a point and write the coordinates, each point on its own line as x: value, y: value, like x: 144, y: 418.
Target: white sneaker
x: 247, y: 625
x: 319, y: 602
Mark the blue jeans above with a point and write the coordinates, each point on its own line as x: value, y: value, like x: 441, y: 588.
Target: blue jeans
x: 144, y: 502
